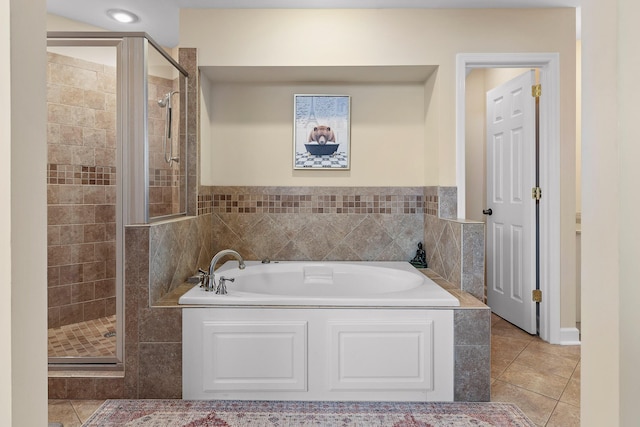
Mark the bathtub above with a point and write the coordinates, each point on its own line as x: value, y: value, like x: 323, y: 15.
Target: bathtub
x: 336, y: 284
x: 365, y: 331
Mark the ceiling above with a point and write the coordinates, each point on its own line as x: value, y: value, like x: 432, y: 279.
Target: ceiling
x: 160, y: 18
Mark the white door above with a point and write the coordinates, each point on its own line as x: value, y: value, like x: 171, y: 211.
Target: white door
x: 511, y: 226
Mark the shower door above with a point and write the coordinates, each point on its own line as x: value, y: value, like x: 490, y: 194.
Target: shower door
x: 82, y: 215
x: 117, y: 126
x: 166, y: 120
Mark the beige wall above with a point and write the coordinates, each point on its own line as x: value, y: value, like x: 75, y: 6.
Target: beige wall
x: 388, y: 37
x: 252, y: 142
x: 6, y: 316
x: 578, y: 126
x: 610, y: 203
x: 59, y: 23
x: 629, y: 87
x: 602, y: 278
x: 475, y: 145
x: 23, y: 376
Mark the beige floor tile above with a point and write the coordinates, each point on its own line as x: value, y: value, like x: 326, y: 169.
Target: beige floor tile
x: 499, y: 364
x: 535, y: 406
x: 534, y: 380
x: 505, y: 348
x: 506, y: 329
x: 565, y: 415
x: 547, y: 363
x: 495, y: 319
x: 571, y: 394
x: 541, y: 378
x: 568, y: 351
x: 85, y: 408
x: 61, y: 411
x: 576, y: 373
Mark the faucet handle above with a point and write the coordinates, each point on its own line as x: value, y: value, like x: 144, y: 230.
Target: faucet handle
x: 204, y: 277
x: 222, y: 287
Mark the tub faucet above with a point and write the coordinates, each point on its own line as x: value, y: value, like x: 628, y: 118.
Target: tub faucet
x: 211, y: 284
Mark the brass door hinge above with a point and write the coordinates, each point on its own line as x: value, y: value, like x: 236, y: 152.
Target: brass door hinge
x: 536, y: 295
x: 536, y: 91
x: 536, y: 193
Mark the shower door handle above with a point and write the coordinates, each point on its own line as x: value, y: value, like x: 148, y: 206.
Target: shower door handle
x: 165, y: 102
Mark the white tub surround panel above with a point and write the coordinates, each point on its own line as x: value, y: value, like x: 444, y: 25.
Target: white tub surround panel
x: 318, y: 354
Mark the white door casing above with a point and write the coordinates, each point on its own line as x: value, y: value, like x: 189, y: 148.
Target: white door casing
x: 510, y: 231
x: 549, y: 180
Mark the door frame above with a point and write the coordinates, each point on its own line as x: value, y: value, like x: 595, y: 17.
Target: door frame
x: 549, y: 227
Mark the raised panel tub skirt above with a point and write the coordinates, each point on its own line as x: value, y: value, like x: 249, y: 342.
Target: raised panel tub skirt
x: 333, y: 354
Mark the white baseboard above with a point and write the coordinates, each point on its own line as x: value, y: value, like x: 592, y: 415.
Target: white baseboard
x: 569, y: 336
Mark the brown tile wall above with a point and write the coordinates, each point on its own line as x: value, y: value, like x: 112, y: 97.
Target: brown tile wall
x: 84, y: 388
x: 164, y: 179
x: 317, y: 223
x: 455, y: 248
x: 472, y: 355
x: 158, y: 258
x: 188, y: 58
x: 81, y: 178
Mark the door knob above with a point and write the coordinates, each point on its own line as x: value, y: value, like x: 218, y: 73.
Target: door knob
x: 487, y: 211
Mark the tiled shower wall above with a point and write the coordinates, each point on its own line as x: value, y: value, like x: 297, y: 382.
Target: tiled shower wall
x: 164, y: 178
x: 81, y: 178
x: 157, y: 257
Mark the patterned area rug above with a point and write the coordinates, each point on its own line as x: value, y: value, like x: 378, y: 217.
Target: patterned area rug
x: 185, y: 413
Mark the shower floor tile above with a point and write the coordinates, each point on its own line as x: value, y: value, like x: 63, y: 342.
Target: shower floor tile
x: 93, y: 338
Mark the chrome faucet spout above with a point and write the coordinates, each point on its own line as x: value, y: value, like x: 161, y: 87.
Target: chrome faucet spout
x: 211, y: 285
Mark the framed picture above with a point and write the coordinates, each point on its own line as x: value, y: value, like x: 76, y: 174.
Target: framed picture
x: 321, y: 132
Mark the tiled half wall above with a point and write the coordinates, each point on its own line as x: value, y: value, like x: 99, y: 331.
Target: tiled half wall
x: 349, y: 223
x: 455, y: 247
x: 158, y: 258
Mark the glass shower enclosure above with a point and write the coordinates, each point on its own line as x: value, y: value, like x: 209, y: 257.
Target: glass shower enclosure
x: 117, y: 126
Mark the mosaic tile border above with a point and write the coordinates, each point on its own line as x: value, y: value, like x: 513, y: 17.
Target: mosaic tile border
x: 431, y: 205
x: 164, y: 178
x: 80, y: 174
x: 281, y: 200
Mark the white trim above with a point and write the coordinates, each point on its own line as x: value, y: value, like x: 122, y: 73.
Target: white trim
x: 549, y: 65
x: 569, y: 336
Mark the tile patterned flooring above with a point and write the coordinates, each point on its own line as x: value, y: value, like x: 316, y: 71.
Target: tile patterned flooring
x: 84, y: 339
x: 541, y: 378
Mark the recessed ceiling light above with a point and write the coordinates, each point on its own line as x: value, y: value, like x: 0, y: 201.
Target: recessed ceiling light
x: 123, y: 16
